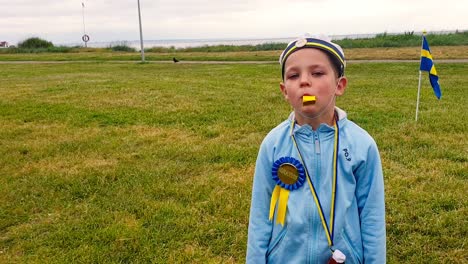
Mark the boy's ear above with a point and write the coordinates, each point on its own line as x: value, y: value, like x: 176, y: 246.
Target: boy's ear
x: 283, y: 90
x: 341, y: 86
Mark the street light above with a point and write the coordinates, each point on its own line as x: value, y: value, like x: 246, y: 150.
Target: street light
x: 141, y: 34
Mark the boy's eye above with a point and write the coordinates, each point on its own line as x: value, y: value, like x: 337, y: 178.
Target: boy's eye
x: 293, y: 75
x: 318, y: 73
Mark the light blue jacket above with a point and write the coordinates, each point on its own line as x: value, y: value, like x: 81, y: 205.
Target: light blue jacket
x: 359, y: 209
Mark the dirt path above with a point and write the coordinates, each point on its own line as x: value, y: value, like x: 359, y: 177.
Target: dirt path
x: 226, y: 62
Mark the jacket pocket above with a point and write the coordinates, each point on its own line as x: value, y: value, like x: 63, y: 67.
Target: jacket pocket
x: 354, y: 255
x: 274, y: 246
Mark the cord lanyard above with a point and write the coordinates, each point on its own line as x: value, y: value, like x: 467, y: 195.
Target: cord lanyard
x: 328, y: 231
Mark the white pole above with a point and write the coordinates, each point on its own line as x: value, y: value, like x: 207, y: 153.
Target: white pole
x: 419, y: 91
x: 419, y: 83
x: 141, y: 34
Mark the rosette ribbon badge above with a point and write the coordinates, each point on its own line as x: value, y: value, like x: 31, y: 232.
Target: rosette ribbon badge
x: 289, y: 175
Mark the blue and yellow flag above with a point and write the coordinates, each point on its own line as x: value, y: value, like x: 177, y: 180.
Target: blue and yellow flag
x: 428, y: 65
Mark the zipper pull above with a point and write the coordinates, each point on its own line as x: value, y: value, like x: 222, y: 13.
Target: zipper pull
x: 317, y: 144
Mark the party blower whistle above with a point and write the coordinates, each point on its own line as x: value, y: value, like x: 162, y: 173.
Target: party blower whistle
x: 308, y: 99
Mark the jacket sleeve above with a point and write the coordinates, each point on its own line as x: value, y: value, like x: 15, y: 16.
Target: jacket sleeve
x: 371, y: 205
x: 259, y: 225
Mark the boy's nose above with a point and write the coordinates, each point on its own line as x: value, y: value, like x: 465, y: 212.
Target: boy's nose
x: 305, y: 80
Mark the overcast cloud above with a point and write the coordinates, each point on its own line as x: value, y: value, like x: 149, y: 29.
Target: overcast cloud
x: 61, y: 21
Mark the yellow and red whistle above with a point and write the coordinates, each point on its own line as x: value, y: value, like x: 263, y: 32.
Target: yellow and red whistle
x: 308, y: 99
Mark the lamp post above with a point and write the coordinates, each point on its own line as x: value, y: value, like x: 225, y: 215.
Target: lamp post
x: 141, y: 34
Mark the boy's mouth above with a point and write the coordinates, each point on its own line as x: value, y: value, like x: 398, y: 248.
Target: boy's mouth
x: 308, y: 99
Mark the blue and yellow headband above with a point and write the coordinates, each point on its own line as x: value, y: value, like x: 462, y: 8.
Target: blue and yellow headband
x: 331, y: 48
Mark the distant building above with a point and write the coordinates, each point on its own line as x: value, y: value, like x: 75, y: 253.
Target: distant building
x: 3, y: 44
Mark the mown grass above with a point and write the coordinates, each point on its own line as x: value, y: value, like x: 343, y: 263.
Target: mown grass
x: 111, y: 162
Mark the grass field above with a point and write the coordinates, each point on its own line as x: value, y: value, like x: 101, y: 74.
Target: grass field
x: 107, y: 162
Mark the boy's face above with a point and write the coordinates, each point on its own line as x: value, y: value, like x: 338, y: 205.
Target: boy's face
x: 309, y: 72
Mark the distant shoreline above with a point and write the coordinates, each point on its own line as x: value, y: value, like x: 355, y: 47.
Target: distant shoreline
x: 186, y: 43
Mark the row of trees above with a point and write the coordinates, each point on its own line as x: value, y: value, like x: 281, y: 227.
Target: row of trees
x: 37, y: 45
x: 408, y: 39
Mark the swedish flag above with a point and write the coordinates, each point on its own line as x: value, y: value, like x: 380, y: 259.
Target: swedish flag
x: 428, y: 65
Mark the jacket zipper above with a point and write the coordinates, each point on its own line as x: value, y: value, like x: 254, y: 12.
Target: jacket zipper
x: 314, y: 177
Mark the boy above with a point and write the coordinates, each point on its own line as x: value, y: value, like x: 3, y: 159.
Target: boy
x: 318, y: 191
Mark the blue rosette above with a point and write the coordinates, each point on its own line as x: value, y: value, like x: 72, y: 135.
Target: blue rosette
x: 292, y: 162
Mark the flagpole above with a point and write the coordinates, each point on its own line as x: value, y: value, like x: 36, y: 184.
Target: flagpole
x: 419, y: 91
x: 419, y: 82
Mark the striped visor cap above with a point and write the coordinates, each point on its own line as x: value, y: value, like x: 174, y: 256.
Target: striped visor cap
x: 333, y: 49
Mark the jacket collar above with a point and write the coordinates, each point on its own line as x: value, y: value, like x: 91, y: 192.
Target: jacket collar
x: 307, y: 129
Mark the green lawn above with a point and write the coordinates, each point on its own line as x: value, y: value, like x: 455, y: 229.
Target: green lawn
x: 125, y: 162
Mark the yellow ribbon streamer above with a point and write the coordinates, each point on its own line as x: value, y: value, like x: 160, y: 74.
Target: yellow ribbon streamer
x: 274, y: 199
x: 282, y: 195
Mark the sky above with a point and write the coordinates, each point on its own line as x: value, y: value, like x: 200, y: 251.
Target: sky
x: 61, y: 21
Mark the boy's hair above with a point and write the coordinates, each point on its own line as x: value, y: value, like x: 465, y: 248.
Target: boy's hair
x: 334, y: 52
